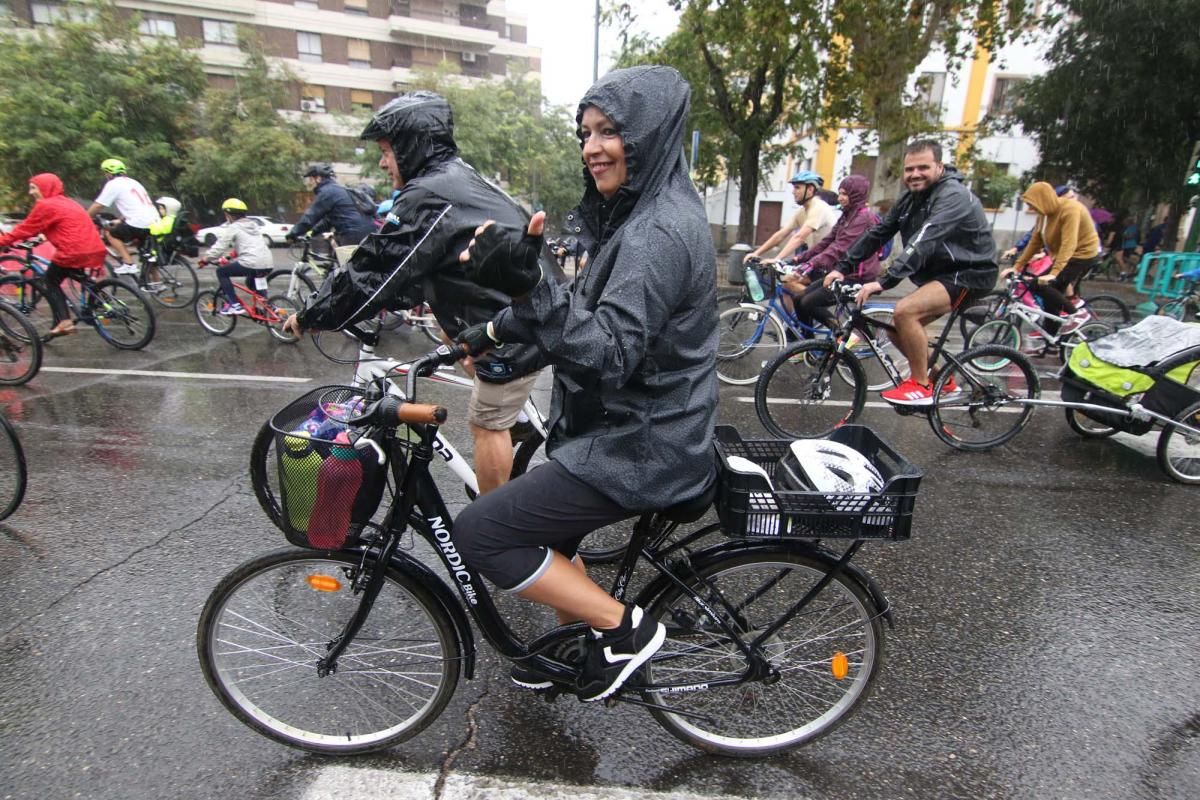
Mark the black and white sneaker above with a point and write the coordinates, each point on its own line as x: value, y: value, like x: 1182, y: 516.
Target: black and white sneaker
x: 614, y: 655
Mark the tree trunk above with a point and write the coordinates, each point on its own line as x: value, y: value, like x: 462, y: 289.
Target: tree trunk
x: 747, y: 190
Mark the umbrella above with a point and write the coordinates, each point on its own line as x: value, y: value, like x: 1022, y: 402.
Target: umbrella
x: 1101, y: 216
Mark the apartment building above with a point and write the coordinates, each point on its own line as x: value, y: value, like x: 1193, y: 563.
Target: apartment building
x: 351, y: 55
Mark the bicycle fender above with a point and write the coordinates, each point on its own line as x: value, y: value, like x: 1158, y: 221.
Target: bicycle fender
x: 709, y: 555
x: 418, y: 572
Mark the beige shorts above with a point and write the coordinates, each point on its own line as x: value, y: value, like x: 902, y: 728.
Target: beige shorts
x: 494, y: 406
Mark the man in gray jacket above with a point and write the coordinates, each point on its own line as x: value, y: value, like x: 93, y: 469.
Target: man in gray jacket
x: 948, y: 252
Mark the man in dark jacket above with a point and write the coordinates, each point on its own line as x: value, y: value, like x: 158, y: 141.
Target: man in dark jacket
x: 440, y: 203
x: 949, y: 253
x: 332, y: 208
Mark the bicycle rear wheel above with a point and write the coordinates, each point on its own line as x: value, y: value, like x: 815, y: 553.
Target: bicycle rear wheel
x: 268, y: 622
x: 121, y: 315
x: 977, y: 406
x: 284, y: 307
x: 1175, y: 309
x: 810, y: 389
x: 13, y: 475
x: 208, y: 314
x: 750, y: 336
x: 179, y: 283
x: 825, y: 658
x: 20, y: 347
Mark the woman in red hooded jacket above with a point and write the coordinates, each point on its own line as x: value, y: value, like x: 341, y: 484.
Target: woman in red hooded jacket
x: 68, y: 227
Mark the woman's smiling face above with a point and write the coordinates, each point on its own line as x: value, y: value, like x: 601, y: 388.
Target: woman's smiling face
x: 603, y: 151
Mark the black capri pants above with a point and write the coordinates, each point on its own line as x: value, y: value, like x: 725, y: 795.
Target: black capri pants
x: 509, y: 535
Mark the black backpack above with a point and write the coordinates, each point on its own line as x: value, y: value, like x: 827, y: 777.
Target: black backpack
x: 363, y: 201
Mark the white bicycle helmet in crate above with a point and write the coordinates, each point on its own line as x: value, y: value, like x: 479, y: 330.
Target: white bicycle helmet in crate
x: 830, y: 468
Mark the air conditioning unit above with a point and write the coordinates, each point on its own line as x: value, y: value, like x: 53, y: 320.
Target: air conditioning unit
x: 312, y: 105
x: 468, y: 58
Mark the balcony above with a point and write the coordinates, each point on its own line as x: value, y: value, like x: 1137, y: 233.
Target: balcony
x: 413, y: 29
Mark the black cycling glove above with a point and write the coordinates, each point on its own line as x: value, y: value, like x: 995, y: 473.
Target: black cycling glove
x: 478, y: 338
x: 505, y: 258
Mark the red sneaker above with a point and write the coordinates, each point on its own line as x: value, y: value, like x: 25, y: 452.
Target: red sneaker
x: 909, y: 393
x: 950, y: 387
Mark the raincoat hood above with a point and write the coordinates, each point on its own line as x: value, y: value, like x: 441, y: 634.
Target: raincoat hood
x: 420, y: 127
x: 856, y: 188
x: 649, y: 106
x: 1041, y: 198
x: 49, y: 184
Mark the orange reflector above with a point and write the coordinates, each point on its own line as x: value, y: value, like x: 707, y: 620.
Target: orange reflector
x: 839, y: 665
x: 324, y: 583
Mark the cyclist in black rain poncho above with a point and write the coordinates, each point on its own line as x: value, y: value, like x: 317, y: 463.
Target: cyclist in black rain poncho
x: 633, y: 344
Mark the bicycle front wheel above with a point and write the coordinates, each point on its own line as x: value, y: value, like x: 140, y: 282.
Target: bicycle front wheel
x: 279, y: 281
x: 984, y: 309
x: 1001, y: 332
x: 268, y: 622
x: 810, y: 389
x: 822, y: 661
x: 13, y: 475
x: 25, y: 295
x: 20, y: 347
x: 1179, y: 450
x: 977, y: 406
x: 877, y: 373
x: 121, y: 315
x: 750, y: 337
x: 179, y: 283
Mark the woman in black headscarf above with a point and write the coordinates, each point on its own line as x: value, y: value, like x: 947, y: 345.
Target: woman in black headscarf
x: 633, y: 343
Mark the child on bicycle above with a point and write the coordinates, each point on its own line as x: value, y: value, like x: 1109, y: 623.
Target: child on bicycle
x: 69, y: 228
x: 241, y: 251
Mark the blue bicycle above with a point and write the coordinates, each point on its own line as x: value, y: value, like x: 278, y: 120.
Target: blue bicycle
x: 752, y: 334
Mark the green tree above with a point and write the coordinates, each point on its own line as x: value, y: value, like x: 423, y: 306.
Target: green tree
x: 874, y: 46
x: 1105, y: 115
x: 510, y: 134
x: 81, y: 91
x: 241, y: 146
x: 753, y: 67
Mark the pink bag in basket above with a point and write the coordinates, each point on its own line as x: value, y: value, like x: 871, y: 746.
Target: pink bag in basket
x: 1038, y: 266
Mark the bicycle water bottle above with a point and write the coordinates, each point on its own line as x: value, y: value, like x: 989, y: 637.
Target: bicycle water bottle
x: 338, y: 482
x: 753, y: 286
x: 299, y: 465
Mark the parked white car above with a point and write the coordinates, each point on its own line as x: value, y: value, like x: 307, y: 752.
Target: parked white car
x: 272, y: 231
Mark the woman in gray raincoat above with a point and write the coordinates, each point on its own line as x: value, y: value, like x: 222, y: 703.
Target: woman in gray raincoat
x: 633, y: 344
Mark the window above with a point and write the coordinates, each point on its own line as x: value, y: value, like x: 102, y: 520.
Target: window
x: 472, y: 16
x: 1004, y: 96
x: 5, y: 10
x: 358, y: 53
x: 312, y: 98
x: 356, y: 6
x: 308, y: 5
x: 931, y: 87
x: 361, y: 100
x: 218, y: 31
x: 155, y: 25
x: 308, y: 45
x: 46, y: 13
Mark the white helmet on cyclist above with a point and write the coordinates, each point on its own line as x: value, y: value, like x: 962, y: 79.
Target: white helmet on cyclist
x: 169, y: 204
x: 829, y: 467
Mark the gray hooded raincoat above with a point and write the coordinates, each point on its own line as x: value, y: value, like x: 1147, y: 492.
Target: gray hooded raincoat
x: 633, y: 340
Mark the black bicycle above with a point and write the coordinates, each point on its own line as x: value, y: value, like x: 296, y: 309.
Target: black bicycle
x: 13, y: 475
x: 119, y: 312
x: 350, y: 643
x: 167, y: 277
x: 815, y: 387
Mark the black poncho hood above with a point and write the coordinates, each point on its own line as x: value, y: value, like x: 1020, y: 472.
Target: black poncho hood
x: 420, y: 127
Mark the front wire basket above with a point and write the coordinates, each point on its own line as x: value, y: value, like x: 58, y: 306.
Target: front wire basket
x: 750, y: 507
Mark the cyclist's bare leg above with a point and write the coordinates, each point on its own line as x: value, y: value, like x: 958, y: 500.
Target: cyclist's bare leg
x: 570, y: 592
x: 493, y: 457
x: 119, y: 246
x: 912, y: 314
x: 793, y: 287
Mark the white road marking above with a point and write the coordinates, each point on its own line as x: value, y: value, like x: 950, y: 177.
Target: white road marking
x: 336, y: 783
x: 205, y: 376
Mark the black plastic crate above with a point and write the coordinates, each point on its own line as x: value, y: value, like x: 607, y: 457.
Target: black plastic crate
x: 750, y: 508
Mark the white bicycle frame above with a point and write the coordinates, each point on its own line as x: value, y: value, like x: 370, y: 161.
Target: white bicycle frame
x: 370, y: 368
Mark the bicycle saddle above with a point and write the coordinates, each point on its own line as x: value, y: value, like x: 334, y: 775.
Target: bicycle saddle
x: 691, y: 510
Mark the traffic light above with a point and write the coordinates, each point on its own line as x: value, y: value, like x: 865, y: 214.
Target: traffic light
x: 1193, y: 179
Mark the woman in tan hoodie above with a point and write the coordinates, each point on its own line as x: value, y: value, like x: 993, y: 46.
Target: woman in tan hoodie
x: 1066, y: 229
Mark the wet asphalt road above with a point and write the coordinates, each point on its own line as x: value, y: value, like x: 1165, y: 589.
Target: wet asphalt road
x: 1045, y: 644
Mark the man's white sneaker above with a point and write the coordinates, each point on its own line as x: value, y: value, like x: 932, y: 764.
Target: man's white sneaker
x: 126, y: 269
